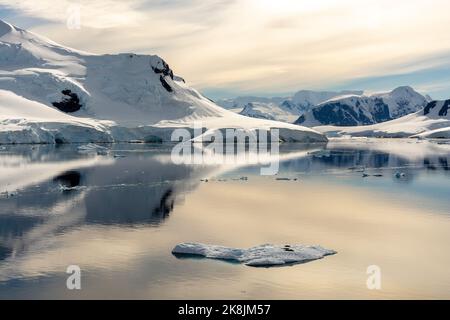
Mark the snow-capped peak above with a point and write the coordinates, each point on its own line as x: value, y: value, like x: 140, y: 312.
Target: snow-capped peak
x: 365, y: 109
x: 5, y: 28
x: 119, y: 96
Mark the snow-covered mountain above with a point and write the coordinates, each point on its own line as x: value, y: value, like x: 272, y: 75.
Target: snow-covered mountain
x: 270, y: 111
x: 307, y: 99
x: 240, y: 102
x: 354, y: 110
x: 431, y: 122
x: 50, y: 93
x: 286, y: 109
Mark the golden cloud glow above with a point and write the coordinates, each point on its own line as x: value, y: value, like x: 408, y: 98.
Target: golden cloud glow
x: 258, y: 45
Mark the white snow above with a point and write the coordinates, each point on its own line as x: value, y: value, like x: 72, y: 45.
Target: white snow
x: 418, y: 125
x: 314, y: 98
x: 93, y: 148
x: 286, y: 109
x: 263, y: 255
x: 123, y: 97
x: 367, y: 108
x: 443, y: 133
x: 270, y: 111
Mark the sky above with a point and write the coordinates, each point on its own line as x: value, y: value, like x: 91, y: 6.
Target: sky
x: 229, y: 48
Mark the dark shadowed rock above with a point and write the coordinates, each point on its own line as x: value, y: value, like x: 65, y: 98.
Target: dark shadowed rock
x: 443, y: 111
x: 70, y: 103
x: 165, y: 70
x: 165, y: 84
x: 429, y: 106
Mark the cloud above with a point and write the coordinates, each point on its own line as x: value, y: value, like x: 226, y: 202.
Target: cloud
x: 260, y: 45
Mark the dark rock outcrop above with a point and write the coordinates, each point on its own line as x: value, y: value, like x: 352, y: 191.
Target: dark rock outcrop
x: 70, y: 103
x: 165, y: 70
x: 429, y: 106
x: 165, y: 84
x: 442, y: 112
x: 381, y: 111
x: 358, y: 110
x: 337, y: 114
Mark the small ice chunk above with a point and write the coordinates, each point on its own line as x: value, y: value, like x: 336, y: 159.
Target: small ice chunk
x: 260, y: 256
x: 92, y: 147
x: 399, y: 175
x: 320, y: 153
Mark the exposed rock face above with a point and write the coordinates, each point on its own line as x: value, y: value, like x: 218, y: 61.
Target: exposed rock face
x: 444, y: 106
x: 165, y: 84
x: 70, y: 103
x: 342, y: 114
x: 381, y: 111
x: 338, y: 114
x: 164, y: 69
x: 355, y: 110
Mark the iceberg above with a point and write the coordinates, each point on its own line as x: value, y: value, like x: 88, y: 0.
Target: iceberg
x: 265, y: 255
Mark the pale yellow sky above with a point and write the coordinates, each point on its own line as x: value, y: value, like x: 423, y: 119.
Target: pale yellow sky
x: 260, y: 45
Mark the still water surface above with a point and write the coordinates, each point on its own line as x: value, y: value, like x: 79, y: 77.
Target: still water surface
x: 119, y: 217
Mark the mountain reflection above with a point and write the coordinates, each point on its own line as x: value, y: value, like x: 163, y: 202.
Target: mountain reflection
x: 58, y: 189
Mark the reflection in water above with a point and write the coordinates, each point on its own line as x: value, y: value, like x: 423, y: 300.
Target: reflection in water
x: 69, y: 179
x: 132, y: 191
x: 60, y: 194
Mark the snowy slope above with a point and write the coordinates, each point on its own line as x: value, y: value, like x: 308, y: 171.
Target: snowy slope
x: 431, y: 122
x: 50, y: 93
x: 240, y: 102
x: 26, y: 121
x: 286, y: 109
x: 307, y: 99
x: 354, y: 110
x: 269, y: 111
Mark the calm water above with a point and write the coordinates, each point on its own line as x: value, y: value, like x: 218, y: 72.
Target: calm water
x: 119, y: 217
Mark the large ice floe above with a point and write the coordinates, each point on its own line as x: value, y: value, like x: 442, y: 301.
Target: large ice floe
x: 265, y: 255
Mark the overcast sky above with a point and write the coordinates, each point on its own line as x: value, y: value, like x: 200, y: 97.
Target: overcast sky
x: 262, y: 47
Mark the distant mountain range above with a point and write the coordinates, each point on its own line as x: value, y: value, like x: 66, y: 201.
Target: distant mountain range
x: 344, y: 108
x: 280, y: 108
x: 432, y: 122
x: 354, y: 110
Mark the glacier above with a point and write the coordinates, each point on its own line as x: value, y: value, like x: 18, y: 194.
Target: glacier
x: 53, y: 94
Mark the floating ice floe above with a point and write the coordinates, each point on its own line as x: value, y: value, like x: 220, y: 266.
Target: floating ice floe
x: 67, y: 188
x: 400, y: 175
x: 93, y: 148
x: 261, y: 256
x: 320, y: 153
x: 286, y: 179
